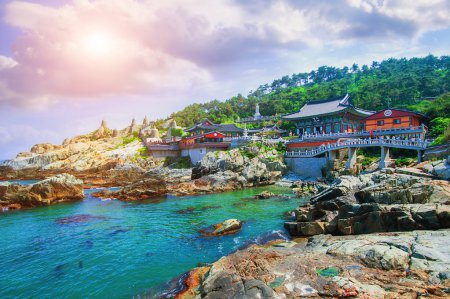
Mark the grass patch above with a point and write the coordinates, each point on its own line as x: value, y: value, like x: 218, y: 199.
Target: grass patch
x: 404, y: 161
x: 178, y: 162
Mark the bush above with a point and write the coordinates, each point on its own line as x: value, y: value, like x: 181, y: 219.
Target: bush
x: 178, y: 132
x: 404, y: 161
x: 247, y: 153
x: 439, y: 125
x: 178, y: 162
x: 129, y: 139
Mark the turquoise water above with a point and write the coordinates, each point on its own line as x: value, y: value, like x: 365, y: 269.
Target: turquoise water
x: 22, y: 182
x: 113, y: 249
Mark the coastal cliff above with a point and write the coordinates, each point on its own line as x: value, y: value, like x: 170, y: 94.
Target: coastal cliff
x: 104, y: 157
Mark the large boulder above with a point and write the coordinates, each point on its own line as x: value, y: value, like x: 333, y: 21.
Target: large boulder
x: 255, y: 163
x: 62, y: 187
x: 227, y: 227
x: 376, y: 202
x: 140, y: 190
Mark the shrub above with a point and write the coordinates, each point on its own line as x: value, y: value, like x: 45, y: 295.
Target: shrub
x: 178, y: 162
x: 404, y: 161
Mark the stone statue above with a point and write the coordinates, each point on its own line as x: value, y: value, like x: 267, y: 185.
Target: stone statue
x: 257, y: 114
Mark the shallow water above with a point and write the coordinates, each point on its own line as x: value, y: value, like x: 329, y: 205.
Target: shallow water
x: 21, y: 182
x: 113, y: 249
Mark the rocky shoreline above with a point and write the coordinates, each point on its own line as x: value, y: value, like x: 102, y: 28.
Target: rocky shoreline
x: 382, y: 265
x: 56, y: 189
x: 382, y: 234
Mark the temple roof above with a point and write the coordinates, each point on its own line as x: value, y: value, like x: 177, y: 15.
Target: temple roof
x: 209, y: 125
x: 270, y: 128
x: 327, y: 106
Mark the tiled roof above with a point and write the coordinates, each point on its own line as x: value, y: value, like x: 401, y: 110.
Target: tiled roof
x: 215, y: 127
x: 328, y: 106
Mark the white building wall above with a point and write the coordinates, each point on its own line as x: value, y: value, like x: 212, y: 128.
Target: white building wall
x: 196, y: 154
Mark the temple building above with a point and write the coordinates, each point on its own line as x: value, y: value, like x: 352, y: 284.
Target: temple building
x: 196, y: 147
x: 207, y: 126
x: 271, y: 130
x: 336, y: 115
x: 393, y: 119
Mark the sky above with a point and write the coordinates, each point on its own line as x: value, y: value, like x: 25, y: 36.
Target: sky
x: 67, y: 65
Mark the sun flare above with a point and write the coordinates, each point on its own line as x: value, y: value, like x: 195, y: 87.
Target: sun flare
x: 98, y: 43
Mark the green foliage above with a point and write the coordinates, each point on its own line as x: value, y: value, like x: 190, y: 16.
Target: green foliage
x: 392, y: 82
x: 404, y: 161
x: 178, y: 162
x: 280, y: 147
x: 177, y: 132
x: 129, y: 139
x: 439, y: 125
x: 246, y: 153
x: 445, y: 137
x: 143, y: 152
x: 439, y: 107
x: 366, y: 161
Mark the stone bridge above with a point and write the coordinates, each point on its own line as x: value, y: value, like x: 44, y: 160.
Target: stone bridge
x: 330, y: 150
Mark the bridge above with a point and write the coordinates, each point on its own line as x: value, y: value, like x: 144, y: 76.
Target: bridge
x: 330, y: 150
x: 418, y: 132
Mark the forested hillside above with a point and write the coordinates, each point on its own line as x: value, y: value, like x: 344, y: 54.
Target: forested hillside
x: 393, y: 82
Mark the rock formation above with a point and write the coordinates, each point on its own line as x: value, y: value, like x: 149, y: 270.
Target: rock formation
x: 133, y: 128
x: 254, y: 165
x: 400, y: 265
x: 440, y: 168
x: 377, y: 202
x: 227, y: 227
x: 103, y: 131
x: 62, y: 187
x: 145, y: 122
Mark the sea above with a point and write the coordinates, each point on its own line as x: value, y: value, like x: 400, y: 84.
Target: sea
x: 112, y: 249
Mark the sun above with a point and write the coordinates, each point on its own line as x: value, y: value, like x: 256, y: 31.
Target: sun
x: 98, y: 43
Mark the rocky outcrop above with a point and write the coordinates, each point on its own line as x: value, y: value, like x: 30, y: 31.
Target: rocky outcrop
x: 264, y: 195
x: 255, y: 164
x: 63, y: 187
x: 227, y: 227
x: 133, y: 127
x: 92, y: 157
x: 143, y: 189
x: 440, y: 168
x: 377, y: 202
x: 103, y: 131
x: 400, y: 265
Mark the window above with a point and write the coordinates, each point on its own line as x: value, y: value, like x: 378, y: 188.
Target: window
x: 380, y: 122
x: 397, y: 121
x: 328, y: 128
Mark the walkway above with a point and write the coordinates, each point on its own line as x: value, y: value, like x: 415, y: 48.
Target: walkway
x: 354, y: 144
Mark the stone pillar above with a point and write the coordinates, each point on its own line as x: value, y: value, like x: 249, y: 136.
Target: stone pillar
x: 351, y: 158
x: 384, y: 157
x: 419, y: 156
x: 332, y: 155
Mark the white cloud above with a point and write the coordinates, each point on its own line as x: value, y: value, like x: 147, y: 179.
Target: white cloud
x: 106, y: 48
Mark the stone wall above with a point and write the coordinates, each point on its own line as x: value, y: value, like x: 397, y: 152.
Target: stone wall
x: 310, y: 167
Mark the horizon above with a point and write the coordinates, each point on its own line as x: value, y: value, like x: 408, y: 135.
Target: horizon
x: 62, y: 63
